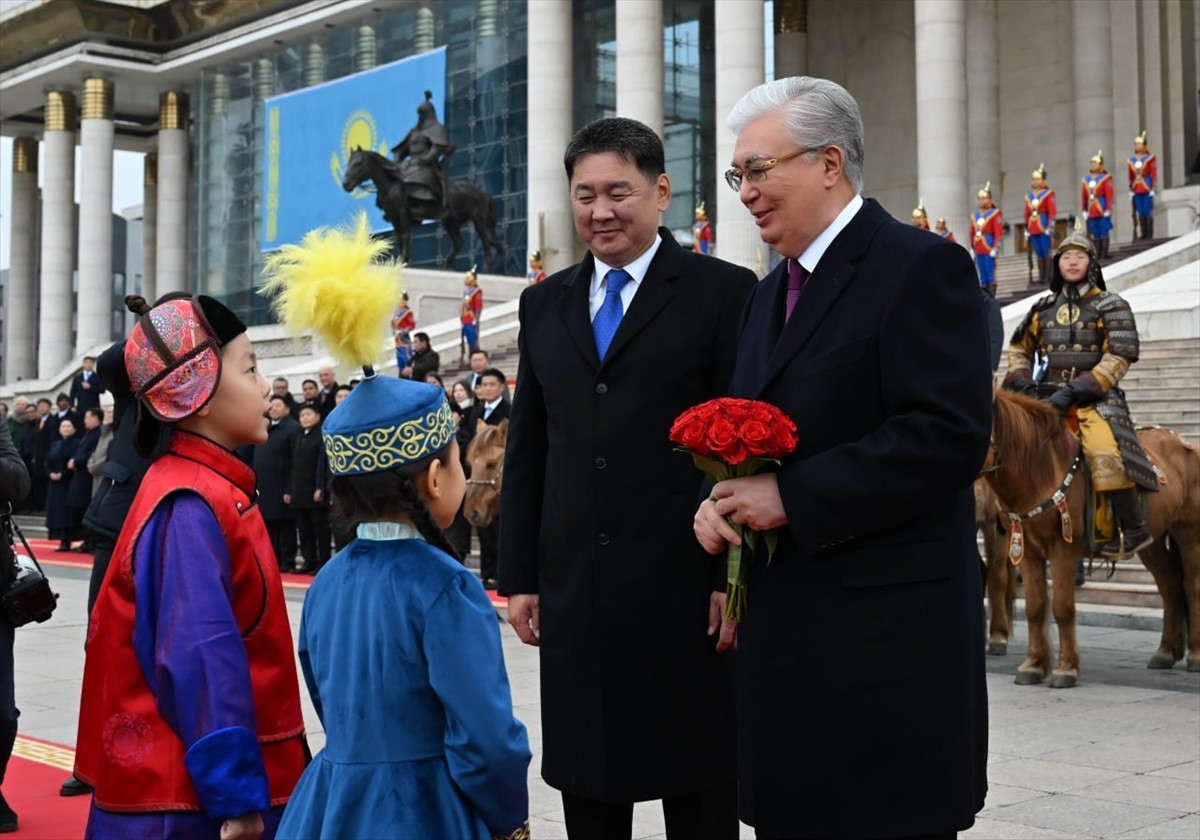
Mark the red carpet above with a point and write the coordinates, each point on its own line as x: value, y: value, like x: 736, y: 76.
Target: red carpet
x: 35, y: 772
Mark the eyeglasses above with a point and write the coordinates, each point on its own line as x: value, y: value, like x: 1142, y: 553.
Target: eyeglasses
x: 758, y: 173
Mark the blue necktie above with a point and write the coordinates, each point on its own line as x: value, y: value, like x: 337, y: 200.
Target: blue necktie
x: 608, y: 316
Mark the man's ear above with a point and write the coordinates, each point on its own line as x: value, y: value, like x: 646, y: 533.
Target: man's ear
x: 430, y: 484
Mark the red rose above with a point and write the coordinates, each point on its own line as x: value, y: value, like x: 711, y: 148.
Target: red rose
x: 724, y: 441
x: 758, y: 437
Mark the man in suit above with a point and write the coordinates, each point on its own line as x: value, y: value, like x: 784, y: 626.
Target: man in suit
x: 596, y: 550
x: 491, y: 409
x: 272, y: 462
x: 306, y: 491
x: 86, y: 387
x: 480, y: 362
x: 872, y: 337
x: 326, y: 397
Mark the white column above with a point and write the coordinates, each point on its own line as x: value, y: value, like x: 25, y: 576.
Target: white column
x: 983, y: 100
x: 171, y: 273
x: 550, y: 224
x: 1092, y: 105
x: 1127, y: 114
x: 94, y: 297
x: 149, y: 288
x: 739, y: 68
x: 20, y: 352
x: 55, y: 329
x: 640, y: 61
x: 941, y: 48
x: 791, y: 38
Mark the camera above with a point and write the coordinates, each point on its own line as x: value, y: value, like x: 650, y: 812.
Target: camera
x: 28, y: 598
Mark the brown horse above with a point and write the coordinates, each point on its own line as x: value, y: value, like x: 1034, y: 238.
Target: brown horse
x: 1032, y: 455
x: 485, y: 455
x: 999, y: 575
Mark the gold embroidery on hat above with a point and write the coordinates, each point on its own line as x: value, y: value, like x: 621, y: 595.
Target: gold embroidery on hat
x: 382, y: 448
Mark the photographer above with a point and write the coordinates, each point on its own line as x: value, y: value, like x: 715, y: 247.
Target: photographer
x: 14, y: 486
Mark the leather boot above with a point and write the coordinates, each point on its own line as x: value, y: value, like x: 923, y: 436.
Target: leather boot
x: 1047, y: 270
x: 1148, y: 226
x: 1133, y: 535
x: 1104, y: 247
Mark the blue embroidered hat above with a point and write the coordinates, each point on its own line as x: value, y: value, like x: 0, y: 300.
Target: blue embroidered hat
x: 385, y: 423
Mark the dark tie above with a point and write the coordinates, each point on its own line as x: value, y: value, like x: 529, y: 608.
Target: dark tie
x: 797, y: 277
x: 608, y: 317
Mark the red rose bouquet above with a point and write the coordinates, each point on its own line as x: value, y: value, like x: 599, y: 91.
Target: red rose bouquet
x: 733, y: 438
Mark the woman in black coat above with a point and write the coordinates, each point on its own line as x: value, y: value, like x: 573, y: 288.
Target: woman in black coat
x: 79, y: 491
x: 58, y: 469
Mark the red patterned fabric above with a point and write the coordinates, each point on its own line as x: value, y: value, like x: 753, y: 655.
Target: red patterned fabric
x: 173, y: 359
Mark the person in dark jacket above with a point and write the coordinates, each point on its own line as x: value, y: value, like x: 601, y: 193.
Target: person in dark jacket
x: 60, y: 467
x: 306, y: 492
x: 272, y: 464
x: 14, y: 486
x: 79, y: 491
x: 425, y: 359
x: 86, y: 387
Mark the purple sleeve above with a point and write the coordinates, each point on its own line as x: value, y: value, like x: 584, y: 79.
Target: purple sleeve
x: 191, y: 653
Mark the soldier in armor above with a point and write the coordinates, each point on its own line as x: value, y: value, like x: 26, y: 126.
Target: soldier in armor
x: 422, y: 155
x: 1143, y: 171
x: 1097, y: 199
x: 702, y: 235
x: 987, y: 227
x: 1039, y: 220
x: 537, y: 271
x: 1090, y: 339
x: 943, y: 231
x: 920, y: 219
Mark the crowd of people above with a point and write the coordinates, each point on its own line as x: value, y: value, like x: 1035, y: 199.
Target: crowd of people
x: 870, y: 335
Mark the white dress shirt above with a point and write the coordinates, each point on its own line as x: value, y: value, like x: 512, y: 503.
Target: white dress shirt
x: 812, y: 255
x: 637, y: 271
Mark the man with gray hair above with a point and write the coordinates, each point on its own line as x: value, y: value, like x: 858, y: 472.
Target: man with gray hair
x: 862, y: 706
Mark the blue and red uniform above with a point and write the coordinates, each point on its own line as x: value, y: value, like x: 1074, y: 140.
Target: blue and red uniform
x: 987, y: 227
x: 472, y: 308
x: 403, y: 323
x: 1039, y: 219
x: 1143, y: 172
x: 1096, y: 196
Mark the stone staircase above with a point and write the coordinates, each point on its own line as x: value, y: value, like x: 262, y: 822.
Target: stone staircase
x: 1163, y: 388
x: 1012, y: 270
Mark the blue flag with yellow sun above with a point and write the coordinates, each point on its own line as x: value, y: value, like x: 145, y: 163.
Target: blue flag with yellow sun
x: 311, y: 133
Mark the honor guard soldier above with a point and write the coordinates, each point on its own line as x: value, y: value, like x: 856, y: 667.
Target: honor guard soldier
x: 471, y: 311
x: 1090, y: 339
x: 1143, y: 171
x: 1097, y: 200
x: 537, y: 272
x: 1039, y: 220
x: 702, y: 235
x: 920, y: 219
x: 987, y: 226
x: 943, y: 231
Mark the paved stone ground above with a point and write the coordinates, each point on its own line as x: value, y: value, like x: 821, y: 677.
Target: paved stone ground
x: 1118, y: 756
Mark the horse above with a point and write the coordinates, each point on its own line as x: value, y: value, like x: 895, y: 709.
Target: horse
x: 999, y: 575
x: 485, y: 454
x: 1033, y: 458
x: 395, y: 197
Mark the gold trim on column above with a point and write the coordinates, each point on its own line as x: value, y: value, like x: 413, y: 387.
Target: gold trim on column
x: 791, y: 16
x: 97, y: 99
x: 60, y: 110
x: 172, y: 109
x: 264, y: 78
x: 150, y: 170
x: 25, y: 154
x: 365, y: 54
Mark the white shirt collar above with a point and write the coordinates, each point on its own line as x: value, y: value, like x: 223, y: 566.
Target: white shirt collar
x: 489, y: 406
x: 812, y: 255
x: 637, y: 269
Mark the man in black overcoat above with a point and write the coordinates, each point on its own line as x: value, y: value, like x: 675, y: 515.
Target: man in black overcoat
x: 492, y: 409
x: 596, y: 548
x: 862, y: 706
x: 306, y: 491
x: 86, y: 387
x: 272, y: 462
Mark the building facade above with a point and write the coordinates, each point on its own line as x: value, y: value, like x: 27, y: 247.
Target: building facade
x: 953, y: 93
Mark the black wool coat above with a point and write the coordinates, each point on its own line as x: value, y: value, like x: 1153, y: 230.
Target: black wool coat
x: 273, y: 466
x: 596, y: 518
x: 308, y: 469
x: 862, y: 703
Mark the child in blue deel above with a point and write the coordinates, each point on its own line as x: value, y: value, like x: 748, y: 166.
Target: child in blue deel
x: 399, y: 644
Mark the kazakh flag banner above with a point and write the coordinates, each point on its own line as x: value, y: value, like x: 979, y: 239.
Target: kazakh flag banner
x: 311, y: 133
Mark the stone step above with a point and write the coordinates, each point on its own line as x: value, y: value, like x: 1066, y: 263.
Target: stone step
x: 1162, y: 377
x: 1118, y: 594
x: 1185, y: 396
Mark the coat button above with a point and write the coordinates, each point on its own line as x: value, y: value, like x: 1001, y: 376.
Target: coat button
x: 601, y: 389
x: 601, y: 463
x: 603, y: 539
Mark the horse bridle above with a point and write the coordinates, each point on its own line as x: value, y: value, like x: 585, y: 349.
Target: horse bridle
x: 490, y: 482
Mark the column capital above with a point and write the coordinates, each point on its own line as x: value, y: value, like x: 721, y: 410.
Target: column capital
x: 97, y: 99
x: 172, y: 109
x: 60, y: 110
x: 25, y: 154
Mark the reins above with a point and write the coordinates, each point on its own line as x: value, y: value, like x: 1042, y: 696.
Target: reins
x: 1058, y: 500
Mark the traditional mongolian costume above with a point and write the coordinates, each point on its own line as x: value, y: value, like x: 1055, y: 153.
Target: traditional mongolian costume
x: 472, y: 310
x: 920, y: 219
x: 702, y: 235
x: 1090, y: 339
x: 1096, y: 198
x: 943, y: 231
x: 987, y: 227
x: 1039, y: 221
x: 537, y: 272
x: 398, y: 642
x: 404, y: 321
x: 190, y: 711
x: 1143, y: 172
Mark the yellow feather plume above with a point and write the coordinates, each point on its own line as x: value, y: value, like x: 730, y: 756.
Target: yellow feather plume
x: 335, y: 284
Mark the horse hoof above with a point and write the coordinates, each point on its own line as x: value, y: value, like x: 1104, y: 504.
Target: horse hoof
x: 997, y: 649
x: 1161, y: 661
x: 1193, y: 664
x: 1028, y: 677
x: 1063, y: 680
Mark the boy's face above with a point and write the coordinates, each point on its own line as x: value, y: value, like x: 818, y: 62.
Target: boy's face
x: 237, y: 412
x: 309, y: 417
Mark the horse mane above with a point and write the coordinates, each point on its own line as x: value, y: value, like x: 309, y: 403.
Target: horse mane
x: 484, y: 438
x: 1030, y: 437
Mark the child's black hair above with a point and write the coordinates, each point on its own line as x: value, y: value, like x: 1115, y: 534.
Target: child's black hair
x: 381, y: 495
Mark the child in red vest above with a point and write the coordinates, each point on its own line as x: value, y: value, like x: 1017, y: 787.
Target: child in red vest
x: 190, y: 721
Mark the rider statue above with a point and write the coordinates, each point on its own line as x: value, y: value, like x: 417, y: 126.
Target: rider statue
x: 1090, y: 339
x: 422, y: 155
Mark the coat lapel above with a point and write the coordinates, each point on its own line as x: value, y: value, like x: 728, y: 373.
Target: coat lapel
x: 655, y: 291
x: 573, y: 309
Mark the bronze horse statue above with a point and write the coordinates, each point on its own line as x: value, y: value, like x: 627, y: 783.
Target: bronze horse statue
x: 405, y: 203
x: 485, y: 454
x: 1033, y: 453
